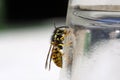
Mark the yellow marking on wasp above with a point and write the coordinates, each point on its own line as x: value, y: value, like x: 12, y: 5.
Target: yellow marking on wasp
x: 57, y: 43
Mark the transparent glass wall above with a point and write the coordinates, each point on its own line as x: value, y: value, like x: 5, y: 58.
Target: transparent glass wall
x: 95, y: 33
x: 99, y: 18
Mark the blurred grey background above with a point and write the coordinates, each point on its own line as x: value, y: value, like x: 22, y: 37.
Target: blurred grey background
x: 25, y: 30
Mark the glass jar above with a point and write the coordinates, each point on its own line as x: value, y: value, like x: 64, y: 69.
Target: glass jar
x: 95, y: 37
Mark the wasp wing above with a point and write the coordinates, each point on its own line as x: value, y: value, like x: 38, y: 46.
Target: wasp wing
x: 50, y: 61
x: 46, y: 63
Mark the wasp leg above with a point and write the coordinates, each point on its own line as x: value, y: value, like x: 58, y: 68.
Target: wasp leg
x: 68, y: 44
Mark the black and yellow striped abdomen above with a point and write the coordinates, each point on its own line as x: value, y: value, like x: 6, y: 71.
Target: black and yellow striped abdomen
x: 57, y: 57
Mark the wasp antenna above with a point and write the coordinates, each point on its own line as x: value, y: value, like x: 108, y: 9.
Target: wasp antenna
x: 54, y: 24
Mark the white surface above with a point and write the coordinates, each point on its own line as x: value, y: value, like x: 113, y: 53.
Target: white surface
x: 23, y: 54
x: 95, y: 2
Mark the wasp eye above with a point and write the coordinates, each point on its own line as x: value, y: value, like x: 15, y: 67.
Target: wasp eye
x: 60, y: 31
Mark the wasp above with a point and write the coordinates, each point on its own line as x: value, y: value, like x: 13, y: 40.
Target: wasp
x: 56, y: 46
